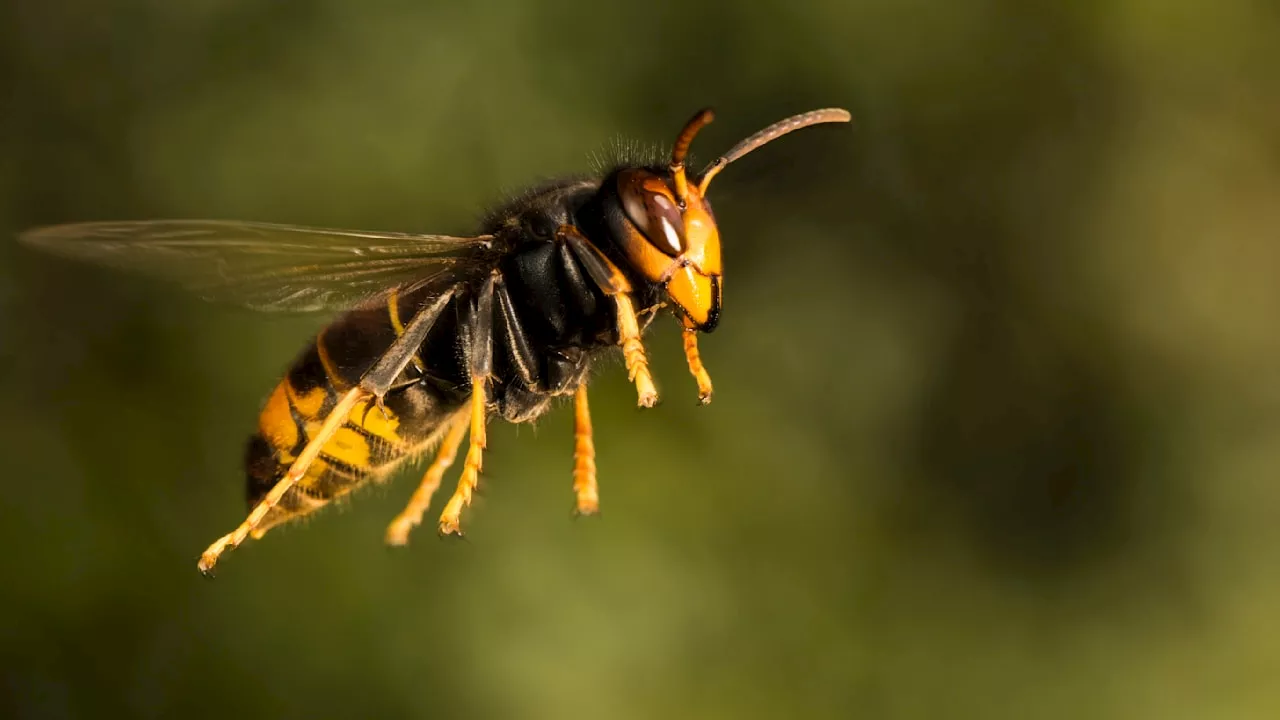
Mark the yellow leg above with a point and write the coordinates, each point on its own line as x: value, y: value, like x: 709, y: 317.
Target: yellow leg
x: 399, y: 529
x: 584, y: 456
x: 615, y: 284
x: 633, y: 351
x: 332, y: 423
x: 450, y: 518
x: 695, y: 366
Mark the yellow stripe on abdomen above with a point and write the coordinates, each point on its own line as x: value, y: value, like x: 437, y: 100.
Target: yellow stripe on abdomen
x: 374, y: 438
x: 276, y: 422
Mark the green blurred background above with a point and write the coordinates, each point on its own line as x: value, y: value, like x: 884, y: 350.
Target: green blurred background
x: 998, y: 382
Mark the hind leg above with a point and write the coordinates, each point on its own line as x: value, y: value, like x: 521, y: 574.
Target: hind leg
x: 332, y: 423
x: 374, y: 384
x: 399, y: 529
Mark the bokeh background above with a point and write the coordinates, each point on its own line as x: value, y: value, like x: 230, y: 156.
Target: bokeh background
x: 997, y: 424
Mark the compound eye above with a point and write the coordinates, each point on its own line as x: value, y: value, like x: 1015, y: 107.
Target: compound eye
x: 654, y: 212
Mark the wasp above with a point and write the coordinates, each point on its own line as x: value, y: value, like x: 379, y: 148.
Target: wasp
x: 435, y: 334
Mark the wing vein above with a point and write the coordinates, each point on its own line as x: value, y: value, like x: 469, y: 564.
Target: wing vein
x: 266, y: 266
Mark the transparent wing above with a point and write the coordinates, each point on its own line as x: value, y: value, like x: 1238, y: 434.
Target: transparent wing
x: 265, y: 266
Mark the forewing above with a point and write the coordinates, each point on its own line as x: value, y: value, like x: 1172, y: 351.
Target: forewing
x: 265, y: 266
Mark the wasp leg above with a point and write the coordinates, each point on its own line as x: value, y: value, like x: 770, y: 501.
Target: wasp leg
x: 481, y: 336
x: 451, y: 516
x: 374, y: 384
x: 299, y: 467
x: 614, y: 283
x: 584, y: 456
x: 513, y: 335
x: 380, y: 378
x: 399, y: 529
x: 633, y: 352
x: 695, y: 366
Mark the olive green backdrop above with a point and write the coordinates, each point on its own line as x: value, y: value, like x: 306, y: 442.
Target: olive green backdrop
x: 998, y: 382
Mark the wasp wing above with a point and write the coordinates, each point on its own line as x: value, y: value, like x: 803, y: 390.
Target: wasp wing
x: 265, y: 266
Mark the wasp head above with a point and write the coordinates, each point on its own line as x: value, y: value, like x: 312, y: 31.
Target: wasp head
x: 666, y: 228
x: 669, y: 235
x: 673, y: 242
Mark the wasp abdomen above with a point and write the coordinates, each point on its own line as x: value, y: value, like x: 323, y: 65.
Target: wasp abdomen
x: 375, y: 438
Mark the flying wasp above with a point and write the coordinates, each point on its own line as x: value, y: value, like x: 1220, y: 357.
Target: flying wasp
x: 438, y: 333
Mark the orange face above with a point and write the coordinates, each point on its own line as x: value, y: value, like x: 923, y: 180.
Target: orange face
x: 673, y: 245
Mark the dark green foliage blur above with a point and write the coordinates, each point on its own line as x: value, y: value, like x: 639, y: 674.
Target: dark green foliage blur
x: 998, y: 380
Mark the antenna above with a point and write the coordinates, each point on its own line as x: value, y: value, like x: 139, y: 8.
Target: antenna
x: 681, y: 149
x: 765, y: 136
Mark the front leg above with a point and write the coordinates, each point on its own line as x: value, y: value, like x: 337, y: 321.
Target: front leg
x: 611, y: 280
x: 696, y: 367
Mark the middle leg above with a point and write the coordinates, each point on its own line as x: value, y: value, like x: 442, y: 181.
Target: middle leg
x: 481, y: 362
x: 584, y: 456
